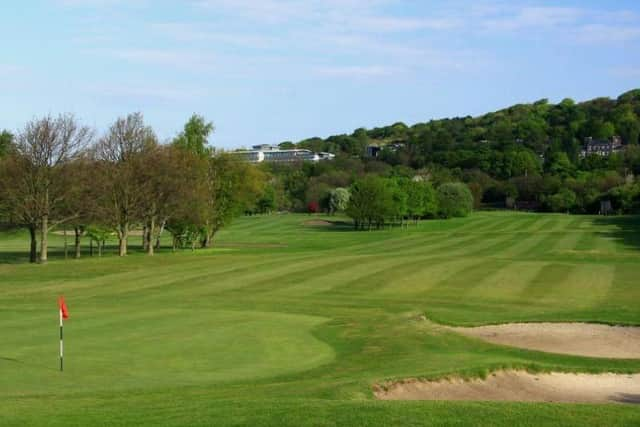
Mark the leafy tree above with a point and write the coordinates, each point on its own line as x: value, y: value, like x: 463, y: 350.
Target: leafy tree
x: 195, y: 136
x: 339, y: 199
x: 416, y: 193
x: 6, y: 143
x: 369, y: 202
x: 454, y: 200
x: 268, y: 201
x: 559, y: 164
x: 624, y: 198
x: 562, y: 201
x: 313, y: 207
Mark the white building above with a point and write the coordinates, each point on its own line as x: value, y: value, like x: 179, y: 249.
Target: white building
x: 268, y: 153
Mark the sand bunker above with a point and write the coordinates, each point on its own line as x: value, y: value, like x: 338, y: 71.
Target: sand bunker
x: 582, y: 339
x: 521, y: 387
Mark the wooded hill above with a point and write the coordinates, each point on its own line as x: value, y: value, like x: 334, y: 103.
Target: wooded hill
x: 527, y: 155
x: 468, y: 142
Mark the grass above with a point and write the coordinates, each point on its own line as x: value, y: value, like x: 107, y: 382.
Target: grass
x: 288, y: 324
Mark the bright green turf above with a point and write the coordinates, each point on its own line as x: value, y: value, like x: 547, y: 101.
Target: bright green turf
x: 288, y: 324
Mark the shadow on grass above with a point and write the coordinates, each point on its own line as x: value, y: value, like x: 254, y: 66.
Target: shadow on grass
x: 625, y: 229
x: 627, y: 398
x: 332, y: 226
x: 57, y: 253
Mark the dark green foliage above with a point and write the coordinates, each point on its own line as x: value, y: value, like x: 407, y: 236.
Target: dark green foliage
x: 372, y: 199
x: 454, y: 200
x: 6, y: 142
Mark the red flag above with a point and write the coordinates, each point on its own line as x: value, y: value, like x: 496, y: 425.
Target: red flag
x: 63, y: 307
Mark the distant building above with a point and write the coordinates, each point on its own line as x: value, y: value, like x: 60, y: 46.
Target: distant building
x: 374, y: 150
x: 268, y: 153
x: 603, y: 148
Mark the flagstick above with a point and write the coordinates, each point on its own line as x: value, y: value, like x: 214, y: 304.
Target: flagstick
x: 61, y: 344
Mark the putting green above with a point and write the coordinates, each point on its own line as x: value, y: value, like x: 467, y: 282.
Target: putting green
x: 169, y: 347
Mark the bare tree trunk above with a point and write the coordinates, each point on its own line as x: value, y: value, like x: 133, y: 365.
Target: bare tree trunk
x: 33, y: 252
x: 150, y: 231
x: 78, y: 233
x: 145, y: 230
x: 123, y: 235
x: 91, y: 247
x: 122, y: 250
x: 206, y: 241
x: 44, y: 241
x: 164, y: 223
x: 66, y: 245
x: 100, y: 248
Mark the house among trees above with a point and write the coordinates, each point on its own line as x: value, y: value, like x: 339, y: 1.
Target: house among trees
x: 273, y: 154
x: 373, y: 150
x: 602, y: 148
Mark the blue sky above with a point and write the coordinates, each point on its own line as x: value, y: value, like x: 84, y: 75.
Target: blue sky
x: 266, y: 71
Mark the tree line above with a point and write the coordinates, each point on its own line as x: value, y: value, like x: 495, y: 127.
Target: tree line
x: 57, y: 174
x: 374, y: 201
x: 526, y: 156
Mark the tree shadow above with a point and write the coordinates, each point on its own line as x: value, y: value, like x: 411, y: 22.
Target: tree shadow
x: 332, y: 226
x: 625, y: 229
x: 633, y: 399
x: 57, y: 253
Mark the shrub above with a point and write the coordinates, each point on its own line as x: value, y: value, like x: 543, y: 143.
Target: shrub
x: 454, y: 200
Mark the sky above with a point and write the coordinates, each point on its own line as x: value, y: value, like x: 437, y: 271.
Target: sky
x: 267, y: 71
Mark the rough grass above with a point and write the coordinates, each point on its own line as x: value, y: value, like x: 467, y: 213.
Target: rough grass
x: 287, y: 324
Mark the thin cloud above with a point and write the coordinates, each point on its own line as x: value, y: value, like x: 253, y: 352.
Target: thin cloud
x: 356, y: 71
x: 187, y: 32
x: 194, y: 61
x: 534, y: 18
x: 600, y: 33
x: 144, y: 92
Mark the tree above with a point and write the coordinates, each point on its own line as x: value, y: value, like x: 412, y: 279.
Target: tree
x: 313, y: 207
x: 6, y: 143
x: 44, y: 146
x: 339, y: 200
x: 195, y: 136
x: 17, y: 205
x: 167, y: 175
x: 231, y: 187
x: 454, y: 200
x: 79, y: 203
x: 118, y: 155
x: 268, y: 202
x: 369, y: 202
x: 563, y: 201
x: 397, y: 209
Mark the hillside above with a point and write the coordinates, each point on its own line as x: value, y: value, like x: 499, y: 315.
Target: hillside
x: 540, y: 126
x: 533, y: 155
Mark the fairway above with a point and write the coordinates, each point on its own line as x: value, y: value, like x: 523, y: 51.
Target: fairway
x: 289, y: 320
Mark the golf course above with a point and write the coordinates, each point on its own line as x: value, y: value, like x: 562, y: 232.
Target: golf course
x: 298, y: 319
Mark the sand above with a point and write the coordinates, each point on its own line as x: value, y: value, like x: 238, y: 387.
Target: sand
x: 521, y: 386
x: 582, y: 339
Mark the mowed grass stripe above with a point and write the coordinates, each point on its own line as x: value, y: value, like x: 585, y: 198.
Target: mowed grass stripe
x: 465, y: 274
x: 508, y: 282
